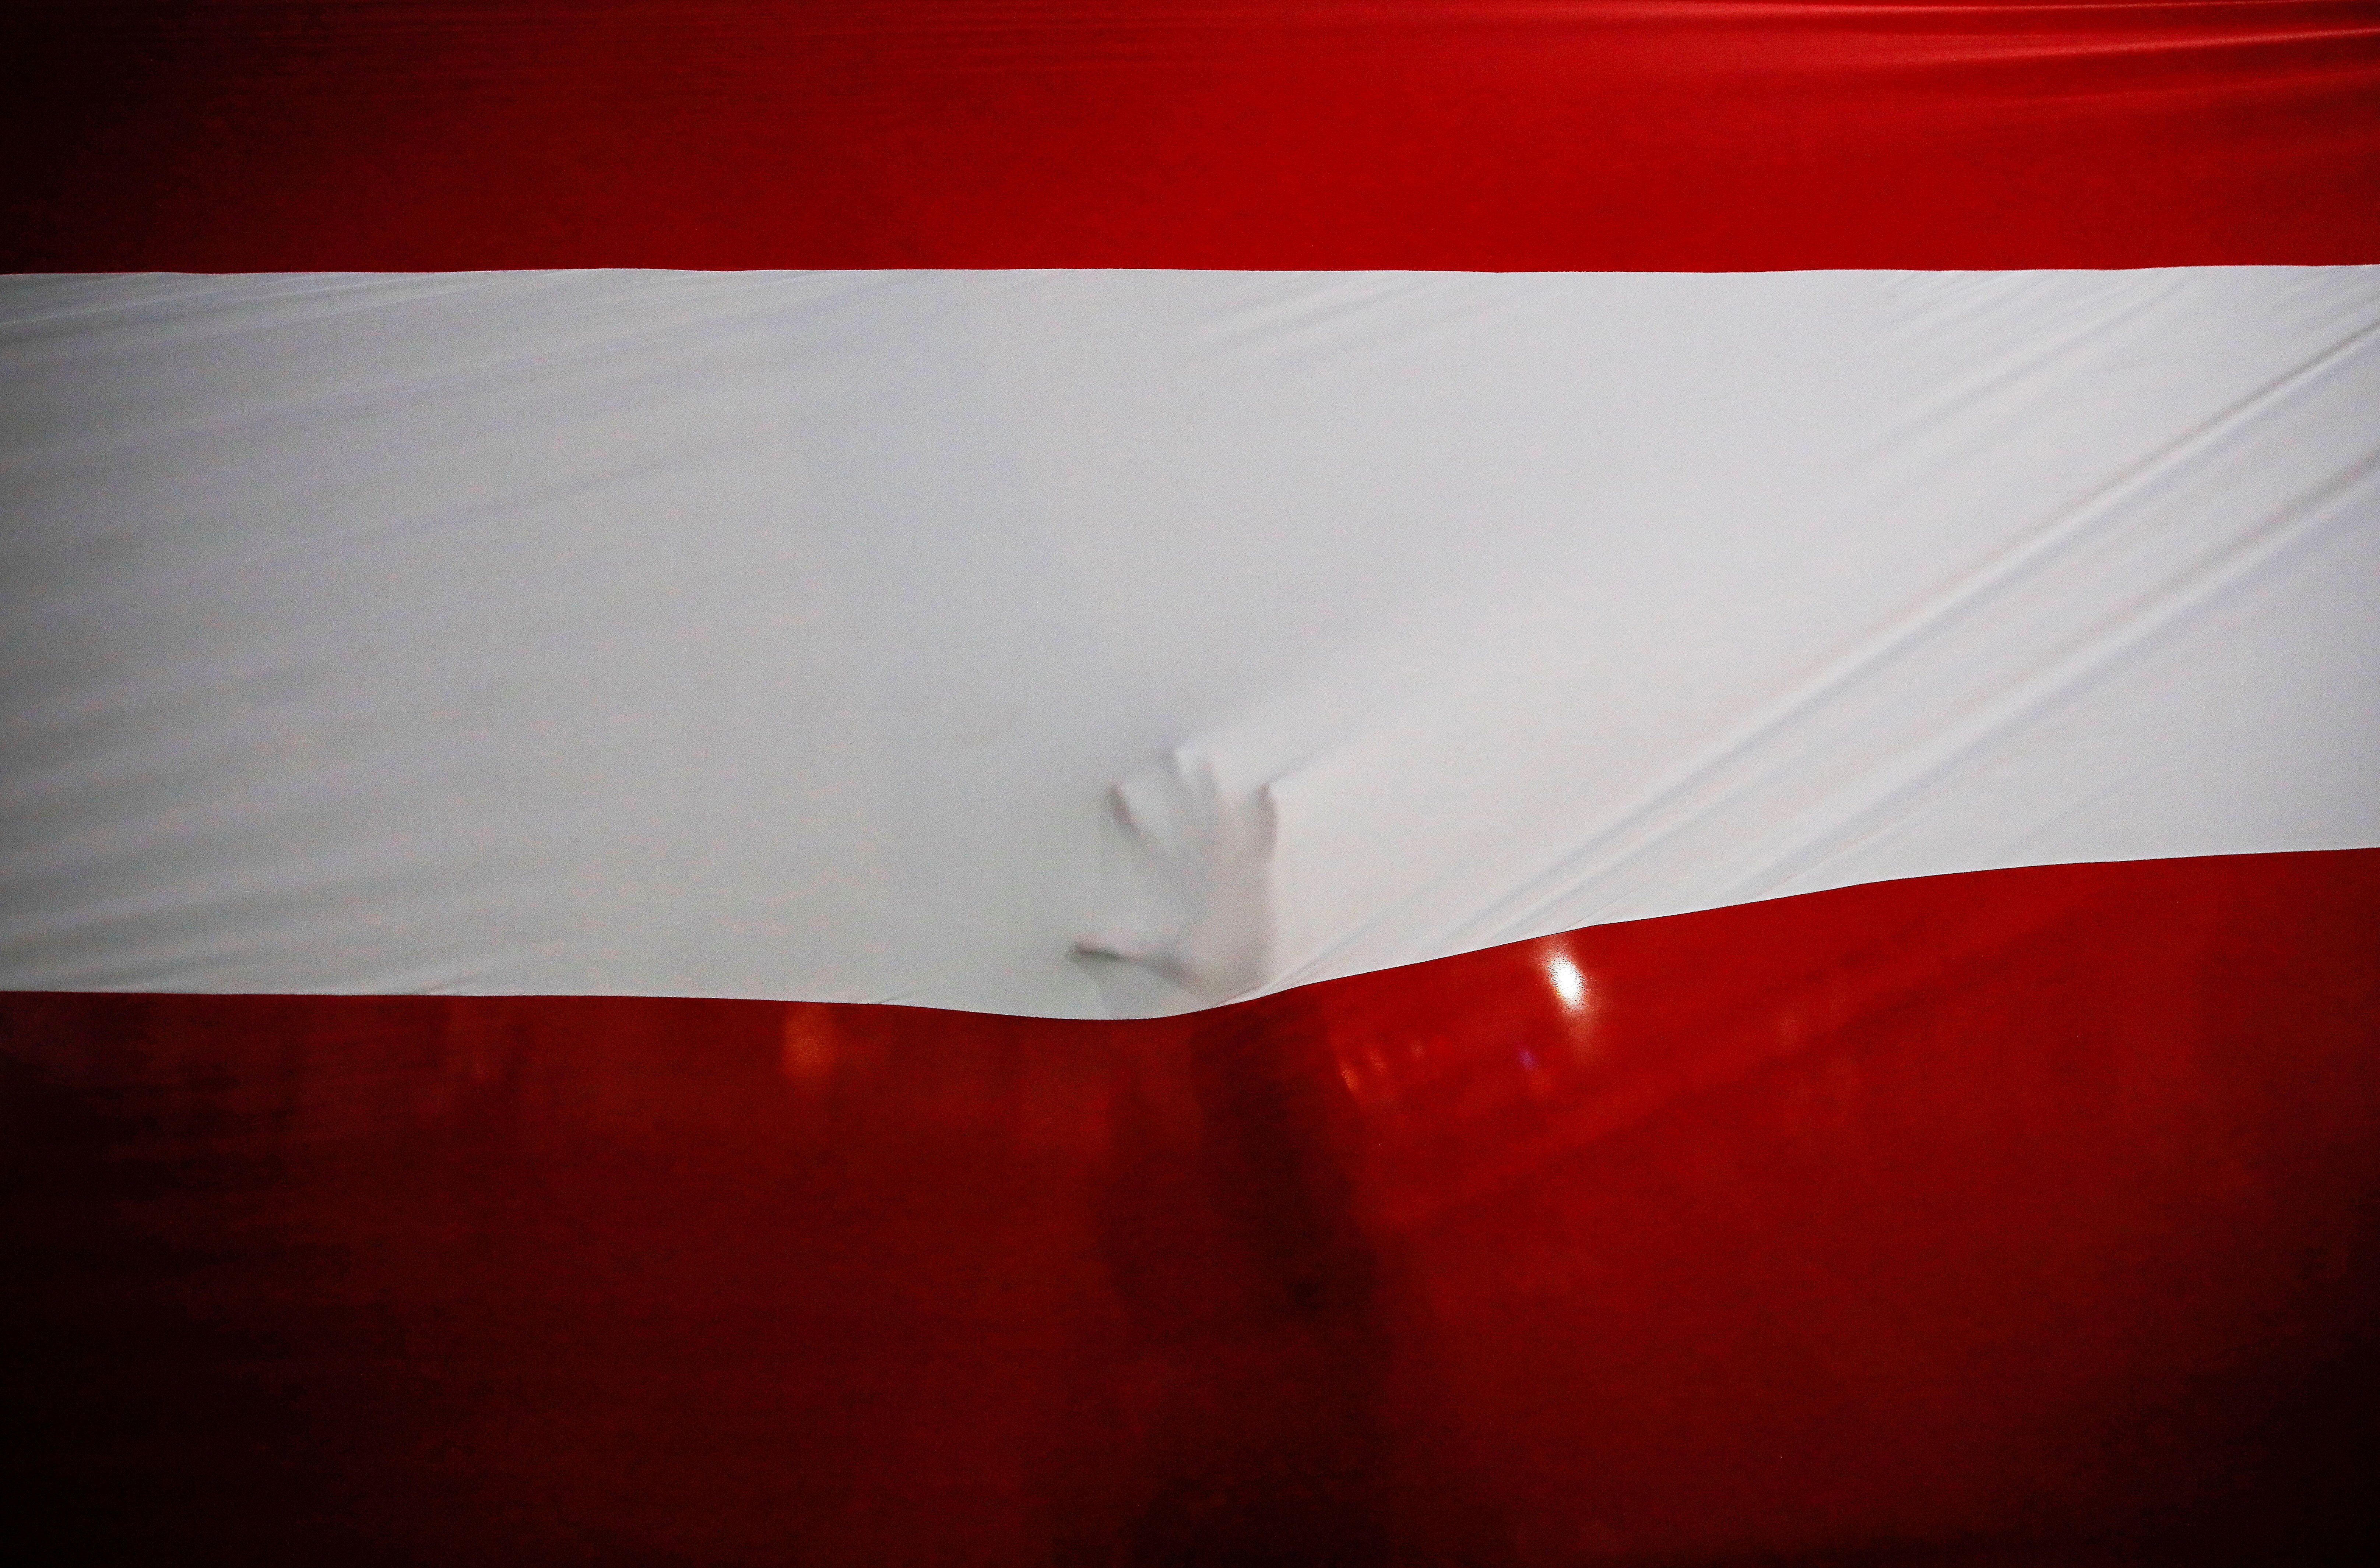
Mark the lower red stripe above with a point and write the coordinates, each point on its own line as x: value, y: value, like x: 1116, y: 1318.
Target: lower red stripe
x: 2023, y: 1215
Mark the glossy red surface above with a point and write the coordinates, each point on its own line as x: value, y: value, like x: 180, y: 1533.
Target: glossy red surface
x: 2019, y: 1216
x: 1497, y: 135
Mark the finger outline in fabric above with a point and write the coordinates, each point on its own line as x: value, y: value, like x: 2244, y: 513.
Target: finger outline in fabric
x: 1187, y: 889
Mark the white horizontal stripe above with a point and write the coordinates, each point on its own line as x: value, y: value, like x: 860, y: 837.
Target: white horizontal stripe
x: 782, y: 635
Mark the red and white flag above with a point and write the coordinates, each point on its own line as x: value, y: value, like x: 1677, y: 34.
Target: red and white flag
x: 1646, y: 545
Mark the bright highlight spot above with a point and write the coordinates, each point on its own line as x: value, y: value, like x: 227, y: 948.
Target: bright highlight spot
x: 1568, y: 983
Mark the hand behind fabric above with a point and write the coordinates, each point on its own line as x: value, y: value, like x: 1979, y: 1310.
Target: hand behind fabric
x: 1190, y: 877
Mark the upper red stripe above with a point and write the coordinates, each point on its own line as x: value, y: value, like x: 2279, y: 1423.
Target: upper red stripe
x: 268, y: 135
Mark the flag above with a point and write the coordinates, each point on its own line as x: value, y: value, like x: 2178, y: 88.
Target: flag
x: 1632, y: 742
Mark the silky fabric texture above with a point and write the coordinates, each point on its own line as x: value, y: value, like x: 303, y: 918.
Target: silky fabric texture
x: 1109, y: 643
x: 2021, y: 1217
x: 2013, y: 1217
x: 1503, y: 135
